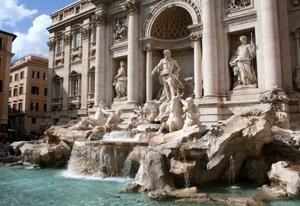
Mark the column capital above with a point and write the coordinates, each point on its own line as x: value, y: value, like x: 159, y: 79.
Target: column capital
x: 51, y: 44
x: 195, y: 36
x: 85, y: 31
x: 67, y: 38
x: 99, y: 18
x: 130, y: 6
x: 148, y: 48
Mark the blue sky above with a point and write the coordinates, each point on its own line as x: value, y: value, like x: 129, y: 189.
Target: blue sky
x: 28, y: 19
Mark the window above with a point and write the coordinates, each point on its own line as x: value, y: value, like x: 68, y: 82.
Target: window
x: 33, y: 120
x: 22, y: 75
x: 21, y: 90
x: 35, y: 90
x: 10, y: 79
x: 45, y: 107
x: 0, y: 63
x: 34, y: 106
x: 45, y: 76
x: 1, y: 86
x: 60, y: 17
x: 77, y: 40
x: 77, y: 9
x: 56, y: 87
x: 35, y: 74
x: 14, y: 107
x: 92, y: 80
x: 20, y: 120
x: 20, y: 106
x: 15, y: 92
x: 45, y: 91
x: 0, y: 43
x: 74, y: 83
x: 60, y: 46
x: 16, y: 77
x: 9, y: 92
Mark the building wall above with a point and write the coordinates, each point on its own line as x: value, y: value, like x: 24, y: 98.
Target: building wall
x: 27, y: 119
x: 230, y: 23
x: 5, y: 56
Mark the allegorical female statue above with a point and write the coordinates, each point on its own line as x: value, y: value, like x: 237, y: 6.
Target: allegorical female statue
x: 241, y: 62
x: 120, y: 82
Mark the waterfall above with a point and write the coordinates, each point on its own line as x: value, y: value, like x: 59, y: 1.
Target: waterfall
x: 231, y: 174
x: 139, y: 175
x: 127, y: 166
x: 187, y: 179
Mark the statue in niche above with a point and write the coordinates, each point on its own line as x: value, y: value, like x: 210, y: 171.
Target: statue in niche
x: 168, y: 70
x: 120, y: 30
x: 120, y: 82
x: 168, y: 75
x: 242, y: 63
x: 295, y: 2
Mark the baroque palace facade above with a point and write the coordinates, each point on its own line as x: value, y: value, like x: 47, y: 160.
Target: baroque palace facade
x: 228, y: 52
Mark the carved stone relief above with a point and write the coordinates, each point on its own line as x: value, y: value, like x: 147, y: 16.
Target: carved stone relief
x: 120, y: 30
x: 236, y: 5
x: 295, y: 3
x: 51, y: 44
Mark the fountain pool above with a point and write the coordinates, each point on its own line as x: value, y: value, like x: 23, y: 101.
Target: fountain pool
x: 56, y: 187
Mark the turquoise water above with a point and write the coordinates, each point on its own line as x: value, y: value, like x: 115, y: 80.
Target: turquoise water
x: 51, y: 187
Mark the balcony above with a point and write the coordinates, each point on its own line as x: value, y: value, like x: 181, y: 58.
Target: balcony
x: 74, y: 102
x: 56, y: 104
x: 76, y: 54
x: 59, y: 59
x: 91, y: 102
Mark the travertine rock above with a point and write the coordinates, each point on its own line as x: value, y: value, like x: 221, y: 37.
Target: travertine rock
x: 286, y: 176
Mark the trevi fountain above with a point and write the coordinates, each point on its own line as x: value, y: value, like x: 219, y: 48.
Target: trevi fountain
x: 166, y: 148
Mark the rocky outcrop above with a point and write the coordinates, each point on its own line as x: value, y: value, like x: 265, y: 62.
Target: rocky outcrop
x: 285, y: 180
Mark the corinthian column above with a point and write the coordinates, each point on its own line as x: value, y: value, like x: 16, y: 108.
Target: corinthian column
x: 197, y: 66
x: 133, y: 51
x: 149, y: 67
x: 100, y: 58
x: 271, y: 46
x: 209, y: 42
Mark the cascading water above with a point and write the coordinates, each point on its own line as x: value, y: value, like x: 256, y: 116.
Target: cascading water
x: 231, y: 174
x: 105, y: 158
x: 187, y: 179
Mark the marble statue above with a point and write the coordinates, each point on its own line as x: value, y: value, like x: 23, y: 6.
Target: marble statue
x: 120, y: 30
x: 191, y: 113
x: 241, y: 62
x: 120, y: 82
x: 93, y: 120
x: 175, y: 120
x: 168, y: 70
x: 113, y: 120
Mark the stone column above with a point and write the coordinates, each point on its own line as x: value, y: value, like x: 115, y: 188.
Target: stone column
x: 51, y: 45
x: 149, y: 67
x: 133, y: 52
x: 210, y: 49
x: 297, y: 56
x: 197, y: 66
x: 297, y: 41
x: 100, y: 58
x: 271, y: 46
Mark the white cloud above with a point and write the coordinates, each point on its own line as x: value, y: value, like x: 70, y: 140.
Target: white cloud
x: 12, y: 12
x: 35, y: 40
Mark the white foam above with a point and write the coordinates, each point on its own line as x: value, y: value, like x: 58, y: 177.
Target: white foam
x: 72, y: 175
